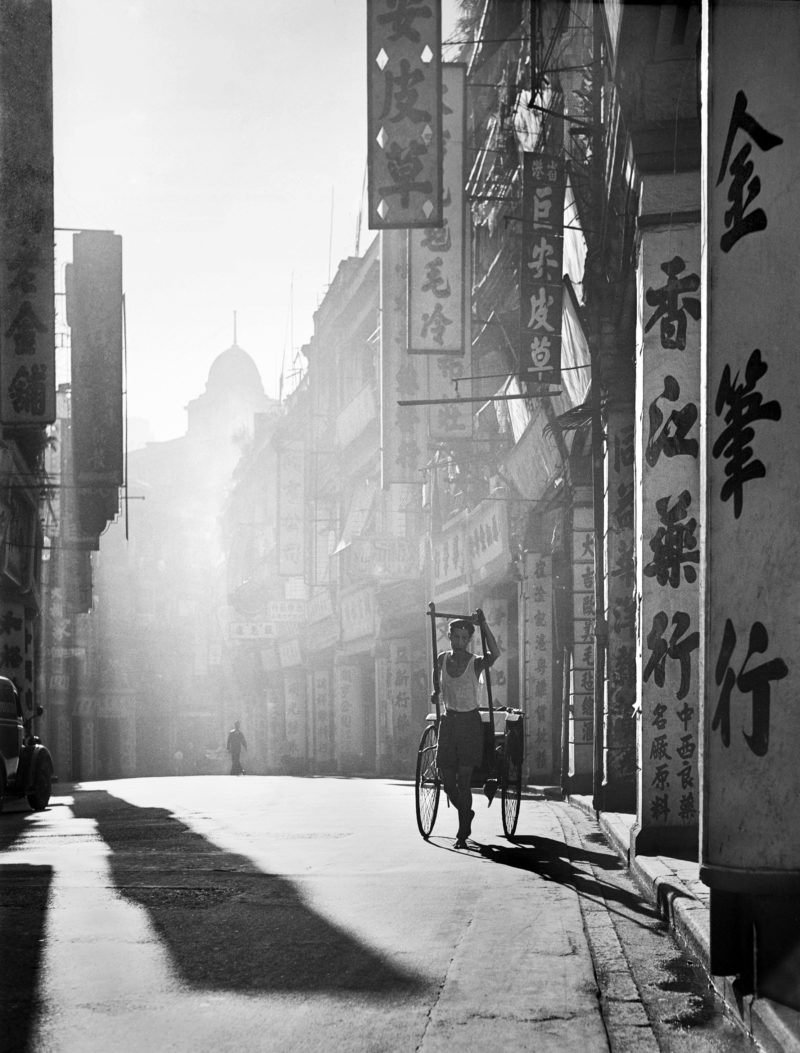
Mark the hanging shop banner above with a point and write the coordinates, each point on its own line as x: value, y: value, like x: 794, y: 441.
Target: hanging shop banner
x: 582, y: 680
x: 436, y: 256
x: 396, y: 671
x: 291, y: 509
x: 348, y: 716
x: 752, y: 733
x: 541, y: 268
x: 668, y: 496
x: 536, y: 643
x: 27, y: 313
x: 94, y: 314
x: 404, y: 107
x: 16, y: 652
x: 496, y: 611
x: 295, y: 717
x: 402, y: 376
x: 449, y: 560
x: 321, y: 692
x: 358, y: 613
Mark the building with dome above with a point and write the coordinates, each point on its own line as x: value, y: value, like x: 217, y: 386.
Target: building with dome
x: 155, y: 687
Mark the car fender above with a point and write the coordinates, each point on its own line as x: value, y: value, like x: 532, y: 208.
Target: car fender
x: 32, y: 756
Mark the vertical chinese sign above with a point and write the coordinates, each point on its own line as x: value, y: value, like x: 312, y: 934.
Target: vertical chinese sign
x: 581, y: 723
x: 321, y: 688
x: 542, y: 268
x: 404, y: 432
x: 670, y: 522
x: 620, y: 767
x: 536, y: 644
x: 27, y: 313
x: 404, y: 125
x: 291, y: 509
x: 348, y: 714
x: 751, y: 730
x: 94, y: 313
x: 394, y: 673
x: 438, y: 279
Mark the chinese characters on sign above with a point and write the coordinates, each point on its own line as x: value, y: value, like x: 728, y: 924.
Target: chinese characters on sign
x: 671, y: 529
x: 752, y: 734
x: 397, y: 671
x: 583, y: 623
x: 322, y: 695
x: 404, y: 150
x: 27, y: 314
x: 94, y: 313
x: 404, y: 431
x: 291, y: 508
x: 541, y: 268
x: 348, y: 716
x: 436, y: 274
x: 537, y: 642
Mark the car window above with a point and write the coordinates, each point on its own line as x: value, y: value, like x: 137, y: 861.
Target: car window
x: 8, y: 701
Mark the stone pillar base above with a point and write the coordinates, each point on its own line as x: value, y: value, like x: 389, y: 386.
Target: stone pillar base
x: 618, y: 797
x: 678, y: 841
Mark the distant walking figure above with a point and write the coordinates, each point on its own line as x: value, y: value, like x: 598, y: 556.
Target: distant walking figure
x: 236, y: 743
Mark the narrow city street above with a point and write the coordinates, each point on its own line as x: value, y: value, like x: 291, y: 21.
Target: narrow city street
x: 277, y: 913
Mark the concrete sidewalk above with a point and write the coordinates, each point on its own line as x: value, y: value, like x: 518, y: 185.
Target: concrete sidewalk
x: 674, y: 886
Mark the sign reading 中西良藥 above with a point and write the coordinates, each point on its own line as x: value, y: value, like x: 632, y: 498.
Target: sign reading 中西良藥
x: 404, y: 132
x: 751, y: 733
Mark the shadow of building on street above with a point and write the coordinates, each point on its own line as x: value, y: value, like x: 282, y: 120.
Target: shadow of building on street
x: 226, y: 924
x: 24, y: 894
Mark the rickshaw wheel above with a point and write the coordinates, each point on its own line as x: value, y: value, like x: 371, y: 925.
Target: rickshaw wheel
x: 511, y: 780
x: 427, y: 781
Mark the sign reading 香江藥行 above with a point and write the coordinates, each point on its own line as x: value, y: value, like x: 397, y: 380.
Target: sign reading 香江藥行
x: 668, y: 514
x: 404, y: 129
x: 541, y: 268
x: 27, y: 314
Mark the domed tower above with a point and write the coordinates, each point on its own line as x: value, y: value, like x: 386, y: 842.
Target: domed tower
x: 234, y: 393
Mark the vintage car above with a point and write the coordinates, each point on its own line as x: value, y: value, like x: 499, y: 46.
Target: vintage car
x: 26, y: 767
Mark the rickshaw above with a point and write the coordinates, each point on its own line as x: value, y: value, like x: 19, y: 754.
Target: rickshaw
x: 503, y: 748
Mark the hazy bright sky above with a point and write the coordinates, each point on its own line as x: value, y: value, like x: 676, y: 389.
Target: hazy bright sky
x: 211, y: 136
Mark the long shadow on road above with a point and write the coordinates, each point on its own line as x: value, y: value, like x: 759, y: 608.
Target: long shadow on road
x: 227, y: 924
x: 24, y: 894
x: 571, y: 865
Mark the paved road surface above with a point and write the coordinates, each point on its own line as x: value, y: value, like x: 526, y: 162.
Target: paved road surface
x: 289, y: 914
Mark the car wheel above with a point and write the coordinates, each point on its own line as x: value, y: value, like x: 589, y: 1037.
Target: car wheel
x: 39, y: 797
